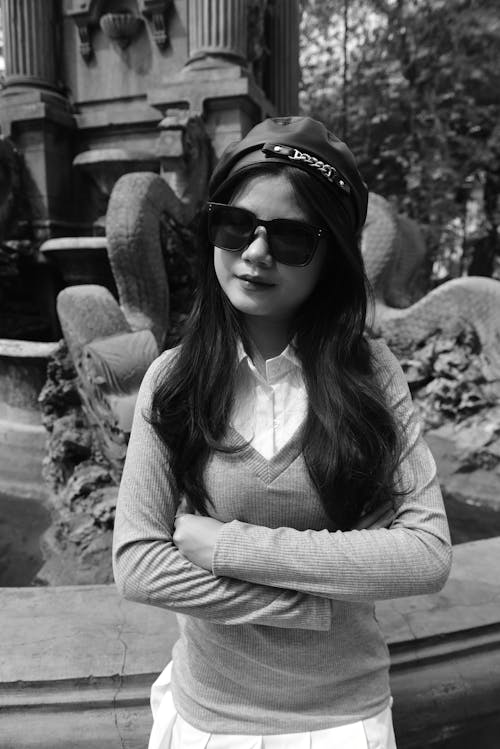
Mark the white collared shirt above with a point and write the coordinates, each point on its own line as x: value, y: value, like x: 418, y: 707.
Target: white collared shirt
x: 270, y: 400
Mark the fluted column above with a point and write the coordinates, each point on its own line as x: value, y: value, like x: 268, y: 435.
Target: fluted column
x: 29, y: 42
x: 283, y: 77
x: 218, y: 28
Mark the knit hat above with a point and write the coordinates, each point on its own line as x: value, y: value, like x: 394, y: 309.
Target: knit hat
x: 306, y: 144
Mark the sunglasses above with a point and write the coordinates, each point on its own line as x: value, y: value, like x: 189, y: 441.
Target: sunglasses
x: 290, y: 242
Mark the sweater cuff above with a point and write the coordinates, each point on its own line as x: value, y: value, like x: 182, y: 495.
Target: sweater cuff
x: 225, y: 559
x: 232, y: 557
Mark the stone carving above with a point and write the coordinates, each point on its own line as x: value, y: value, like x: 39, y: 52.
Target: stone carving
x: 119, y: 25
x: 448, y: 343
x: 393, y: 249
x: 111, y: 343
x: 85, y: 14
x: 137, y: 210
x: 110, y: 346
x: 145, y: 210
x: 88, y: 401
x: 88, y: 434
x: 84, y: 484
x: 110, y: 360
x: 156, y: 12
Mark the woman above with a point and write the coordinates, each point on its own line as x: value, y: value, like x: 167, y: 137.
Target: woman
x: 276, y: 482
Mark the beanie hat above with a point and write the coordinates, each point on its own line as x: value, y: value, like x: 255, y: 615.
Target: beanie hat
x: 303, y: 143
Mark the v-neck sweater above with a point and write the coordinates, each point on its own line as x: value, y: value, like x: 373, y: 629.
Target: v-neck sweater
x: 281, y: 636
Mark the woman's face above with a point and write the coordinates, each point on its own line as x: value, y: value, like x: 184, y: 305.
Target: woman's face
x: 276, y: 291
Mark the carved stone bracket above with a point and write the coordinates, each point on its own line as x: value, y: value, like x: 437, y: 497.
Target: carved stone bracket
x: 120, y: 27
x: 156, y: 13
x: 87, y: 14
x: 85, y: 46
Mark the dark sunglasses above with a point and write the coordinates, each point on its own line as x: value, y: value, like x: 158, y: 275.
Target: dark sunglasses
x: 290, y: 242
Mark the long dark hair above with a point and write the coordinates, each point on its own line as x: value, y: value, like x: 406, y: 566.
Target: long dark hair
x: 350, y: 441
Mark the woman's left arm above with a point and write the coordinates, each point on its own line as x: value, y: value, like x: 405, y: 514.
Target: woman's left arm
x: 411, y: 557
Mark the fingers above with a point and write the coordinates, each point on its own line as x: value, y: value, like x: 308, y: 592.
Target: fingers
x: 183, y: 508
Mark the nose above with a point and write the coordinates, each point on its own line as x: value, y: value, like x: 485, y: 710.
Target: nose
x: 258, y: 251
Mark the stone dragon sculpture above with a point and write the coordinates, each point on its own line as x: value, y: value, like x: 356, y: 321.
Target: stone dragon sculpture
x: 394, y: 250
x: 112, y: 341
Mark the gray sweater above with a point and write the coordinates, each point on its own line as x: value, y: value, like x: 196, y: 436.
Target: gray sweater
x: 282, y: 636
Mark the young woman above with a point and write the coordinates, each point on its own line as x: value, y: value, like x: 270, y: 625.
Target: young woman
x: 276, y: 482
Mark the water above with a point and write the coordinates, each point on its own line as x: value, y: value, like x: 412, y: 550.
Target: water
x: 22, y: 523
x: 470, y: 522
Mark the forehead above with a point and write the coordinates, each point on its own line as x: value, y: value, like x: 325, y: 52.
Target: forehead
x: 269, y: 196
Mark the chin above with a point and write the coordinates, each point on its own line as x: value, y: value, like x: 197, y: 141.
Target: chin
x: 246, y: 307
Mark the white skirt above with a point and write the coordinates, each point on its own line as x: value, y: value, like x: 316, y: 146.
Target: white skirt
x: 171, y: 731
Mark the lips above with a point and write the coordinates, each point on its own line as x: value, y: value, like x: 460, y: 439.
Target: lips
x: 257, y: 280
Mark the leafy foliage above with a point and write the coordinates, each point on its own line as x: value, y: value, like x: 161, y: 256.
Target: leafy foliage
x: 450, y: 379
x: 414, y: 87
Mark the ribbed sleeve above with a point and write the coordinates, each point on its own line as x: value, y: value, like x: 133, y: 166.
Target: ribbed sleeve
x: 413, y: 556
x: 148, y: 568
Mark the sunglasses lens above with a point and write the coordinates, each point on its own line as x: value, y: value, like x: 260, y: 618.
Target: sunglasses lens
x: 229, y: 228
x: 291, y: 242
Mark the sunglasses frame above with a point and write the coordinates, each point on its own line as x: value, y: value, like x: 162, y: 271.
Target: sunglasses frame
x: 314, y: 231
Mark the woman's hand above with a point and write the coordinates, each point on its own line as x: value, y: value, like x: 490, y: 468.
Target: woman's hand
x: 195, y: 536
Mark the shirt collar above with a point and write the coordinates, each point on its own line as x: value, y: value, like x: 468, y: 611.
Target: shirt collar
x: 276, y: 367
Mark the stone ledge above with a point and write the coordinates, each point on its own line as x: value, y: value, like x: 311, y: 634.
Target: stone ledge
x: 11, y: 348
x: 92, y: 693
x: 77, y: 662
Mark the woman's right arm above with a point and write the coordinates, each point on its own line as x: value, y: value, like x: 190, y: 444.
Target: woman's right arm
x: 149, y: 568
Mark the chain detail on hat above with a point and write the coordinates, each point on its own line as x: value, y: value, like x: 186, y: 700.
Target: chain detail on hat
x: 327, y: 170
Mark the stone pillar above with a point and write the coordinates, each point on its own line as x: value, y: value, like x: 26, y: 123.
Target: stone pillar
x: 218, y: 28
x: 29, y: 40
x: 283, y: 70
x: 216, y: 84
x: 35, y: 114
